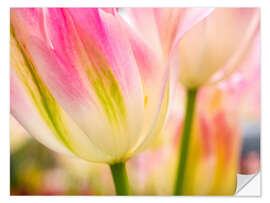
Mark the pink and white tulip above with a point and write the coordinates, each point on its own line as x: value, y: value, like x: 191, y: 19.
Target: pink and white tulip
x: 203, y: 45
x: 216, y: 47
x: 216, y: 136
x: 83, y: 83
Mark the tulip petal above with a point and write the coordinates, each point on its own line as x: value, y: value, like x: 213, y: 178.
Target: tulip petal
x: 92, y: 74
x: 25, y: 19
x: 145, y: 23
x: 162, y: 27
x: 28, y: 21
x: 245, y: 48
x: 154, y: 75
x: 22, y: 110
x: 112, y: 11
x: 35, y: 108
x: 160, y: 118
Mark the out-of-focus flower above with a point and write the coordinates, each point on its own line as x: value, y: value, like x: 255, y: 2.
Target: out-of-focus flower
x: 212, y: 161
x: 203, y: 45
x: 216, y: 46
x: 244, y: 87
x: 214, y: 153
x: 83, y: 83
x: 149, y: 171
x: 216, y: 136
x: 161, y: 27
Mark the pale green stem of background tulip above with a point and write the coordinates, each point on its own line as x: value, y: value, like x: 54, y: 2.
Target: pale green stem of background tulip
x: 120, y: 178
x: 184, y: 141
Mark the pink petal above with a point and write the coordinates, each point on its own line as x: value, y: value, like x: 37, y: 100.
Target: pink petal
x: 112, y: 11
x: 155, y: 80
x: 145, y: 23
x: 162, y: 27
x: 91, y: 72
x: 35, y: 108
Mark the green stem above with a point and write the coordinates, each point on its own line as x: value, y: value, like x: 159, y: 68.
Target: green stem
x: 120, y: 178
x: 184, y: 141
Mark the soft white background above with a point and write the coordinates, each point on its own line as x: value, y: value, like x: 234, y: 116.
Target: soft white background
x: 263, y: 181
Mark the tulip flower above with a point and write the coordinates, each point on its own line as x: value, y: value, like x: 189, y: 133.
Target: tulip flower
x: 215, y: 47
x: 214, y: 152
x: 83, y: 83
x: 203, y: 46
x: 206, y: 51
x: 215, y: 141
x: 212, y: 161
